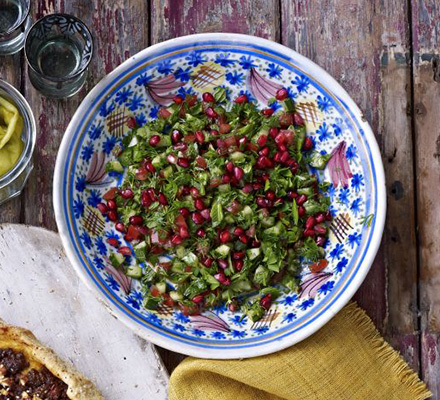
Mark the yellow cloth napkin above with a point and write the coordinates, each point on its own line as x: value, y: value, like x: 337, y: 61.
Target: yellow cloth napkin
x: 345, y: 360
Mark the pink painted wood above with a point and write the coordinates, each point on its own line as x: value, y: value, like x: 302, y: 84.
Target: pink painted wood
x: 384, y: 53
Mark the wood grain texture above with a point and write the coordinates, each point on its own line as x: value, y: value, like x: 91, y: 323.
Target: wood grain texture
x: 426, y: 40
x: 120, y: 29
x: 9, y: 66
x: 65, y: 315
x: 365, y: 46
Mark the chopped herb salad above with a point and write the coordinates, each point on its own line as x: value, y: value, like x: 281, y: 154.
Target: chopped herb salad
x: 222, y: 188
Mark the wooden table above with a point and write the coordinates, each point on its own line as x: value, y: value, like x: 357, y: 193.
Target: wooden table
x: 386, y: 53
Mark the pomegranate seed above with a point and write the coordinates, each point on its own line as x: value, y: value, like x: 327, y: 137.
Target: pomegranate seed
x: 277, y: 158
x: 225, y: 237
x: 197, y: 218
x: 285, y: 157
x: 328, y: 216
x: 178, y: 99
x: 136, y: 220
x: 176, y: 136
x: 183, y: 162
x: 257, y: 186
x: 301, y: 199
x: 301, y: 211
x: 238, y: 173
x: 128, y: 238
x: 120, y: 227
x: 200, y: 137
x: 176, y: 240
x: 194, y: 192
x: 270, y: 195
x: 127, y: 194
x: 267, y: 112
x: 237, y: 255
x: 151, y: 194
x: 221, y: 143
x: 320, y: 218
x: 226, y: 179
x: 232, y: 307
x: 162, y: 199
x: 198, y: 298
x: 320, y: 229
x: 292, y: 195
x: 309, y: 233
x: 223, y: 263
x: 310, y: 223
x: 183, y: 232
x: 238, y: 231
x: 320, y: 241
x: 171, y: 158
x: 111, y: 204
x: 266, y: 301
x: 241, y: 99
x: 206, y: 214
x: 184, y: 212
x: 221, y: 277
x: 113, y: 242
x: 207, y: 262
x: 125, y: 250
x: 211, y: 113
x: 199, y: 204
x: 201, y: 233
x: 154, y: 140
x: 180, y: 147
x: 248, y: 188
x: 298, y: 120
x: 264, y: 151
x: 261, y: 202
x: 243, y: 239
x: 242, y: 141
x: 131, y: 122
x: 273, y: 132
x: 308, y: 144
x: 280, y: 139
x: 146, y: 199
x: 281, y: 94
x: 262, y: 140
x: 238, y: 265
x: 208, y: 97
x: 150, y: 167
x: 112, y: 216
x: 102, y: 207
x: 214, y: 132
x: 282, y: 148
x: 255, y: 243
x: 229, y: 166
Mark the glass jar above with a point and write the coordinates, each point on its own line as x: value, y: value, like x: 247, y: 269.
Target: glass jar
x: 12, y: 183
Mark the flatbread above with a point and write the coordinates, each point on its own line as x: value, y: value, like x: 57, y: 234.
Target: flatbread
x: 39, y: 356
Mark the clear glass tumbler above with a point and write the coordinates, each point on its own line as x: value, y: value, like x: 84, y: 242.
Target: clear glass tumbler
x: 14, y: 22
x: 59, y: 48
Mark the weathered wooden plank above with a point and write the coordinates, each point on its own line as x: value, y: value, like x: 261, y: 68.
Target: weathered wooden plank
x: 173, y: 18
x: 364, y: 45
x: 426, y: 41
x: 10, y: 71
x: 120, y: 29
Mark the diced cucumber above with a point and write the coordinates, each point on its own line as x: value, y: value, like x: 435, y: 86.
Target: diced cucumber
x: 224, y: 188
x: 161, y: 287
x: 308, y: 191
x: 190, y: 258
x: 134, y: 271
x: 151, y: 303
x: 237, y: 156
x: 115, y: 166
x: 246, y: 211
x: 253, y: 253
x: 168, y: 172
x: 175, y: 295
x: 267, y: 221
x: 140, y: 251
x: 165, y: 141
x: 157, y: 161
x: 223, y: 250
x: 117, y: 259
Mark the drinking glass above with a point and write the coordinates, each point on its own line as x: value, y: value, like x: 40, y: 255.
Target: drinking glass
x: 59, y: 48
x: 14, y: 22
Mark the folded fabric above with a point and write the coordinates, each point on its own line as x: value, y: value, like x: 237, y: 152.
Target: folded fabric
x: 346, y: 359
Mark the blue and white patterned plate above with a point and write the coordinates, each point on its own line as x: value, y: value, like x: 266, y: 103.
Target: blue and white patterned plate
x: 242, y: 64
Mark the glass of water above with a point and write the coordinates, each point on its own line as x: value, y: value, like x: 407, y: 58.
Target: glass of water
x: 58, y: 50
x: 14, y: 22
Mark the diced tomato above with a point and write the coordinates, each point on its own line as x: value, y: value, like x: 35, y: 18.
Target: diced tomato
x: 188, y: 268
x: 215, y: 182
x: 318, y: 266
x: 189, y: 310
x: 166, y: 266
x: 180, y: 221
x: 141, y: 174
x: 230, y: 141
x: 111, y: 194
x: 286, y: 119
x: 191, y: 100
x: 251, y: 146
x: 167, y: 300
x: 201, y: 162
x: 154, y: 291
x: 189, y: 139
x: 289, y: 136
x: 224, y: 128
x: 163, y: 113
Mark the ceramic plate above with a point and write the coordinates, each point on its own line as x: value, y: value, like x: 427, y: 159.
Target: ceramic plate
x: 241, y: 64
